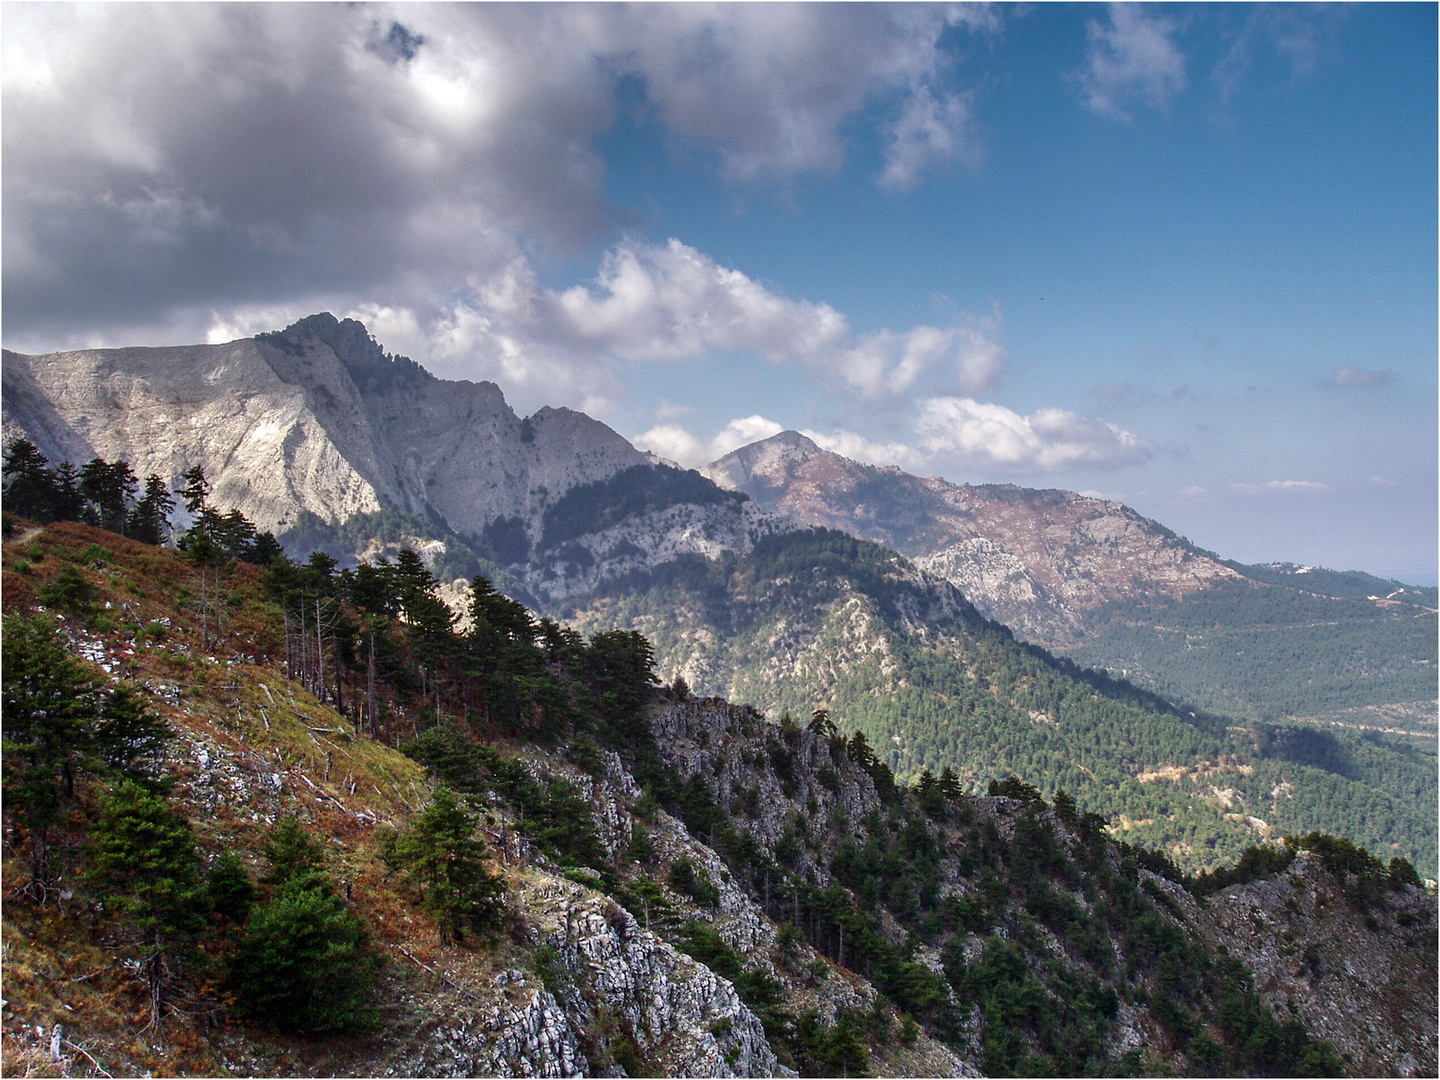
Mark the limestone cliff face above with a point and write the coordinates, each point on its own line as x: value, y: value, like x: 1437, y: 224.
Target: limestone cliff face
x: 1036, y: 560
x: 315, y: 417
x: 1357, y: 978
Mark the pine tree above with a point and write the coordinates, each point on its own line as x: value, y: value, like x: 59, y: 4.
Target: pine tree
x: 292, y: 854
x: 143, y: 864
x: 49, y: 704
x: 110, y: 488
x: 150, y: 523
x: 128, y: 737
x: 196, y: 491
x: 304, y: 962
x: 29, y: 484
x: 230, y: 889
x: 443, y: 857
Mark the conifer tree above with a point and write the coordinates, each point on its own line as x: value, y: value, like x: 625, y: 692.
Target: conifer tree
x: 443, y: 857
x: 49, y: 705
x: 303, y: 962
x: 29, y: 484
x: 143, y: 863
x: 150, y: 523
x: 109, y: 487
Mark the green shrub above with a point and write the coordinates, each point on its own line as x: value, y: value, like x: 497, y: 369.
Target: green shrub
x: 685, y: 878
x: 304, y: 963
x: 69, y: 590
x: 230, y: 888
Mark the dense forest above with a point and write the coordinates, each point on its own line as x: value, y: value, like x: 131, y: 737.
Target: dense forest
x: 1268, y: 653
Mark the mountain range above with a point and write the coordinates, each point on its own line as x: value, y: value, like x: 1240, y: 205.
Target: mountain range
x: 315, y: 431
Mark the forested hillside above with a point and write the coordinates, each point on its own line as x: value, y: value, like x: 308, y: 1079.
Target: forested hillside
x: 217, y: 861
x: 820, y: 616
x: 1276, y: 652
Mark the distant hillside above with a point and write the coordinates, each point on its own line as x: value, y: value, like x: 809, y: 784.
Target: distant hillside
x: 904, y: 658
x: 1097, y: 581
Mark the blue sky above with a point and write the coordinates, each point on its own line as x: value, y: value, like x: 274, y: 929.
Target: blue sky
x: 1180, y: 256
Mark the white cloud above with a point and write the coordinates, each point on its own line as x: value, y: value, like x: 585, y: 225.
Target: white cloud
x: 857, y: 447
x: 674, y: 442
x: 930, y: 129
x: 1133, y: 59
x: 1194, y: 491
x: 1382, y: 482
x: 1048, y: 439
x: 665, y: 303
x: 349, y: 153
x: 770, y: 86
x: 1301, y: 487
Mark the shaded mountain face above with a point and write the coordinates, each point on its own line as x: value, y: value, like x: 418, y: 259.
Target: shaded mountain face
x: 1038, y: 560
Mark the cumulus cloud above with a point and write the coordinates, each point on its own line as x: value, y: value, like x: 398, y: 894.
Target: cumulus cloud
x: 1299, y: 487
x: 679, y: 445
x: 1132, y: 60
x: 947, y: 430
x: 770, y: 86
x: 1351, y: 376
x: 670, y: 302
x: 990, y: 434
x: 350, y: 154
x: 855, y: 446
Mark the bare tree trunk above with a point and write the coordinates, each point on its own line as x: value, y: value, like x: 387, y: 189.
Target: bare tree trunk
x: 339, y: 675
x: 319, y: 654
x: 370, y: 684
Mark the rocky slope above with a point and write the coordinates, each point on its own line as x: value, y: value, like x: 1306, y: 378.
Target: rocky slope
x: 306, y: 428
x: 1036, y: 560
x: 825, y: 920
x: 316, y: 417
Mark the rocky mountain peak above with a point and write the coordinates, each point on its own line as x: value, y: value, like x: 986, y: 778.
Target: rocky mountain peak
x: 768, y: 459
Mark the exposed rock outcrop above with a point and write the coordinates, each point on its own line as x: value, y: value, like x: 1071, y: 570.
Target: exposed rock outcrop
x: 315, y: 417
x: 1358, y: 977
